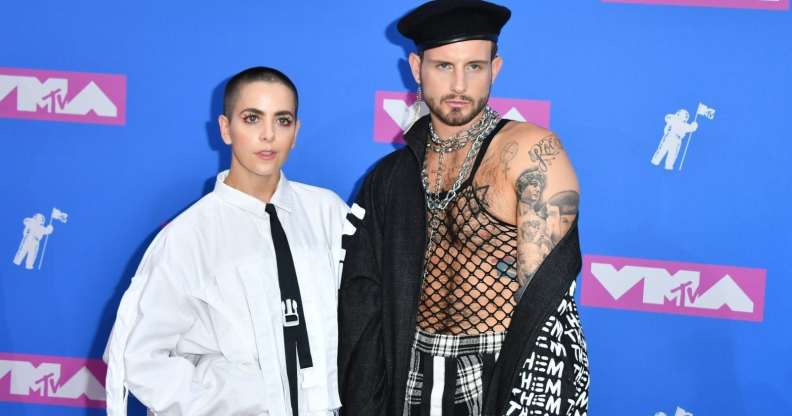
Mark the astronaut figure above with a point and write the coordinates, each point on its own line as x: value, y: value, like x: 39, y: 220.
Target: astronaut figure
x: 676, y: 128
x: 31, y: 236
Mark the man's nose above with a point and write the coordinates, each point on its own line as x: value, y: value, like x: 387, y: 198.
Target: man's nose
x: 459, y: 85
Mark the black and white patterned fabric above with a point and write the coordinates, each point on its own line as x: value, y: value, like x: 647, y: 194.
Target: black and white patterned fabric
x: 466, y: 359
x: 557, y: 368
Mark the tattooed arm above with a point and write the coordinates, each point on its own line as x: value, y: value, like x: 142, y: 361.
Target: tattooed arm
x: 547, y: 200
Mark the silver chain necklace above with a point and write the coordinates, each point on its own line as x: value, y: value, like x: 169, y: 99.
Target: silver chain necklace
x: 476, y: 133
x: 457, y: 141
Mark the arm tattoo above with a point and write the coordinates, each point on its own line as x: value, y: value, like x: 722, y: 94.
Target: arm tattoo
x: 506, y: 268
x: 530, y: 186
x: 481, y: 194
x: 562, y: 209
x: 534, y: 246
x: 507, y: 155
x: 543, y: 222
x: 545, y: 151
x: 533, y: 239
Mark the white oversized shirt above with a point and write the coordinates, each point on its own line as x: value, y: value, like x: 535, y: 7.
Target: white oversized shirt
x: 199, y: 331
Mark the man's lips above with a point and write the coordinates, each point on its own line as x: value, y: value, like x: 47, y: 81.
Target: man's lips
x: 457, y: 103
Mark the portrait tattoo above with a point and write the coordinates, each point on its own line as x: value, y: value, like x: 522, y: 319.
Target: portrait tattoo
x: 530, y: 186
x: 562, y: 210
x: 542, y: 222
x: 534, y: 241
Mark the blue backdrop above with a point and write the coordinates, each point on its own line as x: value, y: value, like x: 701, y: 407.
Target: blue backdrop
x: 611, y: 72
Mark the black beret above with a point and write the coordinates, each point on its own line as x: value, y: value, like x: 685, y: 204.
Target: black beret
x: 440, y: 22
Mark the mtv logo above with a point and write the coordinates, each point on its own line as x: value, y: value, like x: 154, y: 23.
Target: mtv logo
x: 391, y: 110
x: 732, y: 4
x: 52, y: 380
x: 62, y: 96
x: 713, y: 291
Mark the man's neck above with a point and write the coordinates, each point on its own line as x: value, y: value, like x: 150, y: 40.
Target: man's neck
x: 445, y: 131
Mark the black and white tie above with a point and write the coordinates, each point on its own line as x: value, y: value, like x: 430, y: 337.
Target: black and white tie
x: 295, y: 333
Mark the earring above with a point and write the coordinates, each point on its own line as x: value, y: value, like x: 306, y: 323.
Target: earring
x: 419, y: 94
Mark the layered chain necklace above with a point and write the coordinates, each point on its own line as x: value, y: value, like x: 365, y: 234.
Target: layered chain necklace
x: 475, y: 134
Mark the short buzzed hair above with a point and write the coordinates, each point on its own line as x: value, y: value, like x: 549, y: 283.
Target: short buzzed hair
x: 256, y: 73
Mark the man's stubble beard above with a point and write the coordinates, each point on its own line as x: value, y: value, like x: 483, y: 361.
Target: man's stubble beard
x: 455, y: 117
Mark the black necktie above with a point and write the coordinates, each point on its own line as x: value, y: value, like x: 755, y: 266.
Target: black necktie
x: 295, y: 334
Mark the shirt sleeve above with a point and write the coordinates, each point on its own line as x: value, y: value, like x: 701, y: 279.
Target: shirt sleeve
x: 155, y: 313
x: 159, y: 380
x: 362, y: 378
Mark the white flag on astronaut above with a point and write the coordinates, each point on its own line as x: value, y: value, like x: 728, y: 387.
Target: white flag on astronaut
x: 705, y: 111
x: 59, y: 215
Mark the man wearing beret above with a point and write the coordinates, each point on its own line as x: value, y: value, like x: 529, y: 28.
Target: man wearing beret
x: 457, y: 294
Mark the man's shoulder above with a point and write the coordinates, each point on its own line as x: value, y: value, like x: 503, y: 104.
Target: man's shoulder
x: 394, y: 175
x: 525, y: 147
x: 394, y: 163
x: 528, y: 143
x: 394, y: 158
x: 524, y: 133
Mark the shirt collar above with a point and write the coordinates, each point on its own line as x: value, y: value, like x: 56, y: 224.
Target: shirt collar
x: 416, y: 136
x: 283, y: 198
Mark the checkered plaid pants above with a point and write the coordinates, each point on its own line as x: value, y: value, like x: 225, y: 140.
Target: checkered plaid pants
x: 448, y: 372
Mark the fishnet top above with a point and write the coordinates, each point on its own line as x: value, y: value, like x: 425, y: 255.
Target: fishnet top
x: 471, y: 265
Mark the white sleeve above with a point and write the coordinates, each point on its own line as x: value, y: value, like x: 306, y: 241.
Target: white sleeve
x: 159, y: 380
x: 153, y: 314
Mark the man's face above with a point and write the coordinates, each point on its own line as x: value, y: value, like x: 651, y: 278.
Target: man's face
x: 456, y: 79
x: 261, y: 129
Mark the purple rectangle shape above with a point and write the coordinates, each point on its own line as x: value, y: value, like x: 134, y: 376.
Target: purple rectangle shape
x: 731, y: 4
x: 706, y: 290
x: 52, y: 380
x: 81, y: 97
x: 391, y: 107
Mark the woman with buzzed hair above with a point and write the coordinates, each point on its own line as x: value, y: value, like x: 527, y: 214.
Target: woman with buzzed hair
x: 232, y: 310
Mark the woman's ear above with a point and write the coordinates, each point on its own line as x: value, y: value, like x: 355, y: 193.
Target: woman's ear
x: 225, y: 132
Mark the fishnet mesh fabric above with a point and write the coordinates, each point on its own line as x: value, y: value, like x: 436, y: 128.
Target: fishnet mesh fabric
x: 471, y: 270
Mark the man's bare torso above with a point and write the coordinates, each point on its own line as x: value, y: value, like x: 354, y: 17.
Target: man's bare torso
x: 500, y: 235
